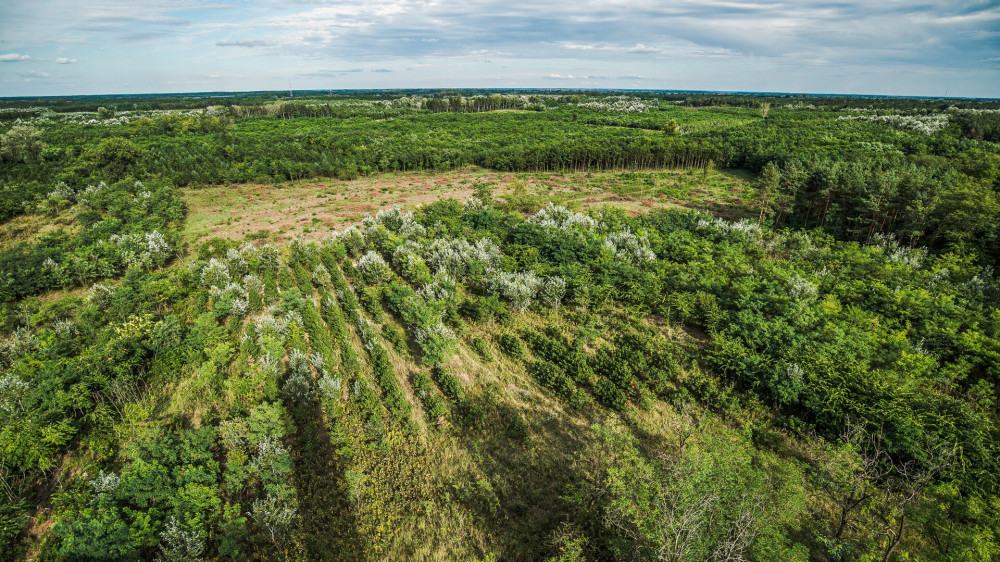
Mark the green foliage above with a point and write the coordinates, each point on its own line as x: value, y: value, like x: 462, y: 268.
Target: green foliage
x: 448, y: 384
x: 395, y: 337
x: 21, y: 143
x: 114, y: 158
x: 119, y: 226
x: 197, y: 409
x: 479, y: 346
x: 511, y: 345
x: 434, y: 406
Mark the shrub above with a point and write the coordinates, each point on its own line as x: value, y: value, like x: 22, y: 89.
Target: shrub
x: 627, y: 246
x: 435, y: 341
x: 448, y: 384
x: 395, y: 336
x: 298, y: 387
x: 510, y: 345
x: 609, y: 394
x: 434, y: 406
x: 321, y: 276
x: 373, y: 269
x: 272, y: 515
x: 22, y: 143
x: 480, y: 347
x: 351, y: 239
x: 480, y: 309
x: 395, y: 220
x: 370, y: 299
x: 553, y: 291
x: 457, y: 257
x: 518, y: 288
x: 559, y: 217
x: 552, y: 377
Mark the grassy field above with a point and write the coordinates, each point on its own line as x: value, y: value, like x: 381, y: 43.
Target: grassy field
x: 310, y: 208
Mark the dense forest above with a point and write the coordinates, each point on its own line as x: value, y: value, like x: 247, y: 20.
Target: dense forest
x: 515, y: 374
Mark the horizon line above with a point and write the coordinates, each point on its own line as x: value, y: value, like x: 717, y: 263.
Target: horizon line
x: 328, y: 91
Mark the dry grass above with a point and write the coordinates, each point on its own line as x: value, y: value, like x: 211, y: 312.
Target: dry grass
x: 313, y: 207
x: 29, y: 228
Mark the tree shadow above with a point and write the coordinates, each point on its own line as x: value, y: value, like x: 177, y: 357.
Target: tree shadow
x: 528, y: 459
x: 327, y: 524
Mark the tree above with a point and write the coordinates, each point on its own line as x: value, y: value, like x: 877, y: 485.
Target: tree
x: 765, y: 108
x: 707, y: 170
x: 873, y: 495
x: 22, y: 143
x: 115, y: 157
x: 767, y: 186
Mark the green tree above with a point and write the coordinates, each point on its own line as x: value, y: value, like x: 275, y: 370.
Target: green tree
x: 115, y: 158
x: 671, y: 128
x: 767, y: 188
x: 22, y: 143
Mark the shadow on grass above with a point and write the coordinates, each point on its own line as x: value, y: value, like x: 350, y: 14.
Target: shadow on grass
x: 327, y: 525
x: 529, y: 462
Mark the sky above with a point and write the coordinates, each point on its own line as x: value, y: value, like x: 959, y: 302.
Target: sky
x: 884, y: 47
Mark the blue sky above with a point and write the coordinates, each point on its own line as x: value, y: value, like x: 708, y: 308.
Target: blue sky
x: 55, y: 47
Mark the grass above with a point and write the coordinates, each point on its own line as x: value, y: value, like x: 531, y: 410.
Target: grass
x: 311, y: 208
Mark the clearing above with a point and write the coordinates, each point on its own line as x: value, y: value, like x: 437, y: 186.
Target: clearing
x: 310, y: 208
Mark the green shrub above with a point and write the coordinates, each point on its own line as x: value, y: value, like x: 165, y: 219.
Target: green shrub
x: 448, y: 384
x: 511, y: 345
x: 480, y: 347
x: 396, y: 337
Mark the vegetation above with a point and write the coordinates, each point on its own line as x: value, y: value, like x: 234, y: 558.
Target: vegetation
x: 808, y: 372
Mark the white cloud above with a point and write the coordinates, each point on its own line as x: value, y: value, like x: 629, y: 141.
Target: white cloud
x: 15, y: 57
x: 32, y: 75
x: 248, y: 43
x: 808, y: 45
x: 640, y: 48
x: 65, y: 60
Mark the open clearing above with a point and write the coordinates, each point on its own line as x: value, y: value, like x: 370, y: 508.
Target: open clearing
x: 311, y: 208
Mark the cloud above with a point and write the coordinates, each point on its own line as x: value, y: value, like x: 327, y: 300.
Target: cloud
x: 65, y: 60
x: 331, y: 73
x: 32, y: 75
x: 247, y: 43
x: 811, y: 45
x: 640, y: 48
x: 380, y: 70
x: 631, y: 77
x: 15, y: 57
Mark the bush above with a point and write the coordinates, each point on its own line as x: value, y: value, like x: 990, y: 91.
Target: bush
x: 22, y: 143
x: 511, y: 345
x: 552, y: 377
x: 395, y: 336
x: 448, y: 384
x: 480, y: 347
x: 609, y: 394
x: 435, y: 341
x: 480, y: 309
x: 434, y: 405
x: 373, y: 269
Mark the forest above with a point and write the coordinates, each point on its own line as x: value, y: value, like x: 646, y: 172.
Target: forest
x: 617, y: 326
